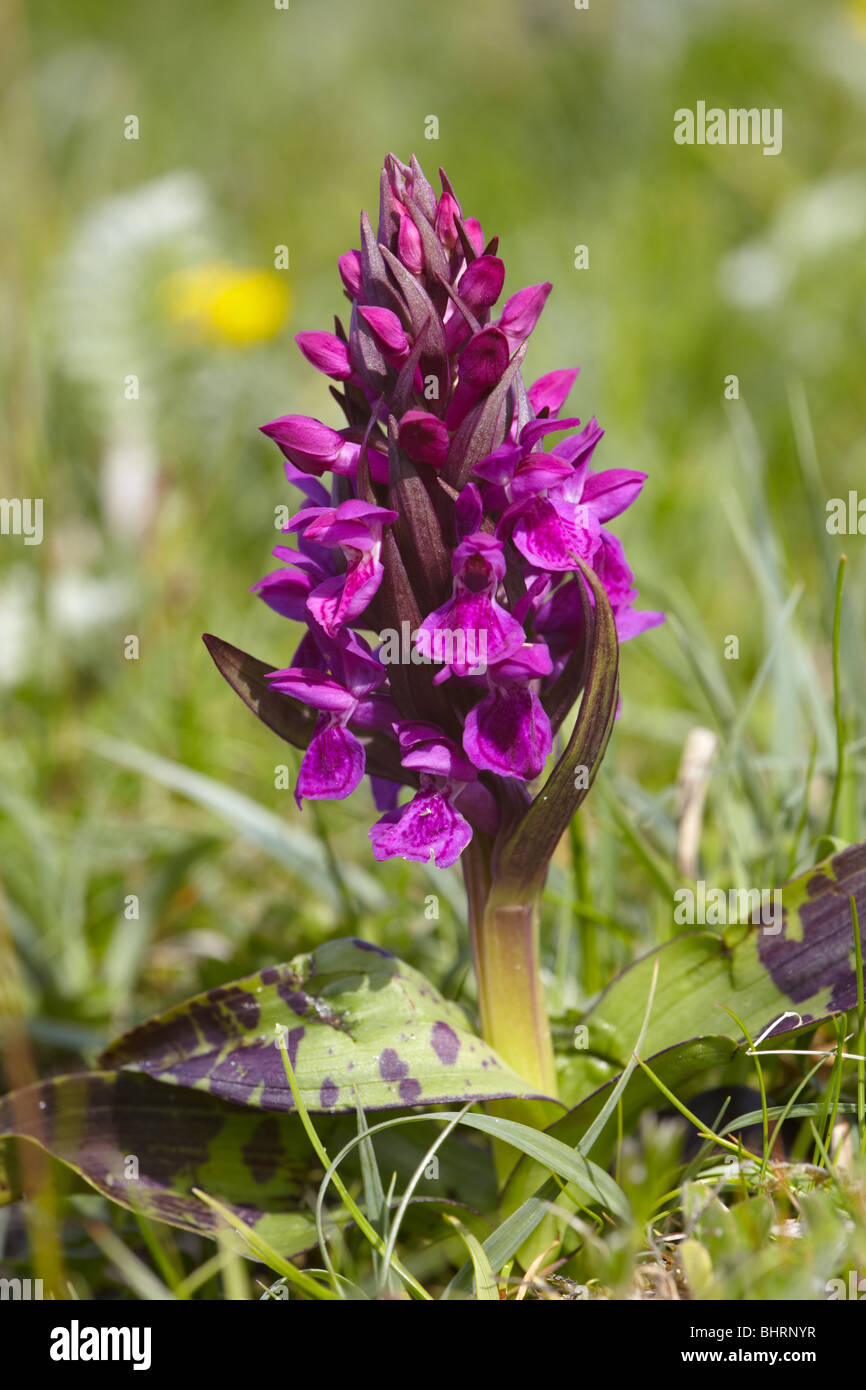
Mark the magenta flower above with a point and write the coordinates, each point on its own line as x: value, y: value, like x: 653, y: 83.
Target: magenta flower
x: 473, y: 609
x: 471, y: 550
x: 354, y: 529
x: 508, y: 732
x: 334, y: 760
x: 431, y: 823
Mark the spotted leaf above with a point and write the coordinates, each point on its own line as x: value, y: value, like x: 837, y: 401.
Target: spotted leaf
x: 356, y: 1020
x: 798, y: 962
x: 147, y: 1146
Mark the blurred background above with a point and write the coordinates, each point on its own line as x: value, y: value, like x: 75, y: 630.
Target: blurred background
x: 156, y: 158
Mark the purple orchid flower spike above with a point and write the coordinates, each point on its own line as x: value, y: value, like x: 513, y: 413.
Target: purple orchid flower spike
x: 459, y: 517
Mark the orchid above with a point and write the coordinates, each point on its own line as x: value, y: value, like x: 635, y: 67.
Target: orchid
x: 450, y: 510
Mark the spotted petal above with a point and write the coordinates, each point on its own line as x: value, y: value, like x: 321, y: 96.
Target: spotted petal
x: 333, y: 765
x: 430, y: 824
x: 509, y: 733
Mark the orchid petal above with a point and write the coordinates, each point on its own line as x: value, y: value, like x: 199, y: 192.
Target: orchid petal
x: 332, y: 766
x: 430, y: 824
x: 509, y: 733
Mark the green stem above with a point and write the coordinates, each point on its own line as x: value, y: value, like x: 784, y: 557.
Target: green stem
x: 514, y: 1020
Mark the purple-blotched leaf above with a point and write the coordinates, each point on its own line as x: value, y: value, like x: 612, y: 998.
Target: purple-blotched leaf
x: 358, y: 1023
x: 258, y: 1165
x: 798, y: 960
x: 199, y: 1096
x: 96, y: 1121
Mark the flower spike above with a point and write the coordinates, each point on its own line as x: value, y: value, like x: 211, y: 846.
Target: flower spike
x: 458, y: 515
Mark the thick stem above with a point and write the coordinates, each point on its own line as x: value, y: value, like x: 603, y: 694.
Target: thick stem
x: 510, y: 993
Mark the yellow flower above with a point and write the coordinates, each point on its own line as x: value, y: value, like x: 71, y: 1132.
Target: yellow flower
x: 857, y: 15
x: 223, y: 303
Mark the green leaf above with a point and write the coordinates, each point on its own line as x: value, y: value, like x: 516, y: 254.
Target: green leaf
x: 587, y: 1182
x: 529, y: 1190
x: 486, y: 1287
x: 258, y: 1164
x: 801, y: 965
x: 358, y: 1021
x: 146, y: 1145
x: 594, y: 1185
x: 507, y: 1239
x: 677, y: 1067
x: 10, y: 1178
